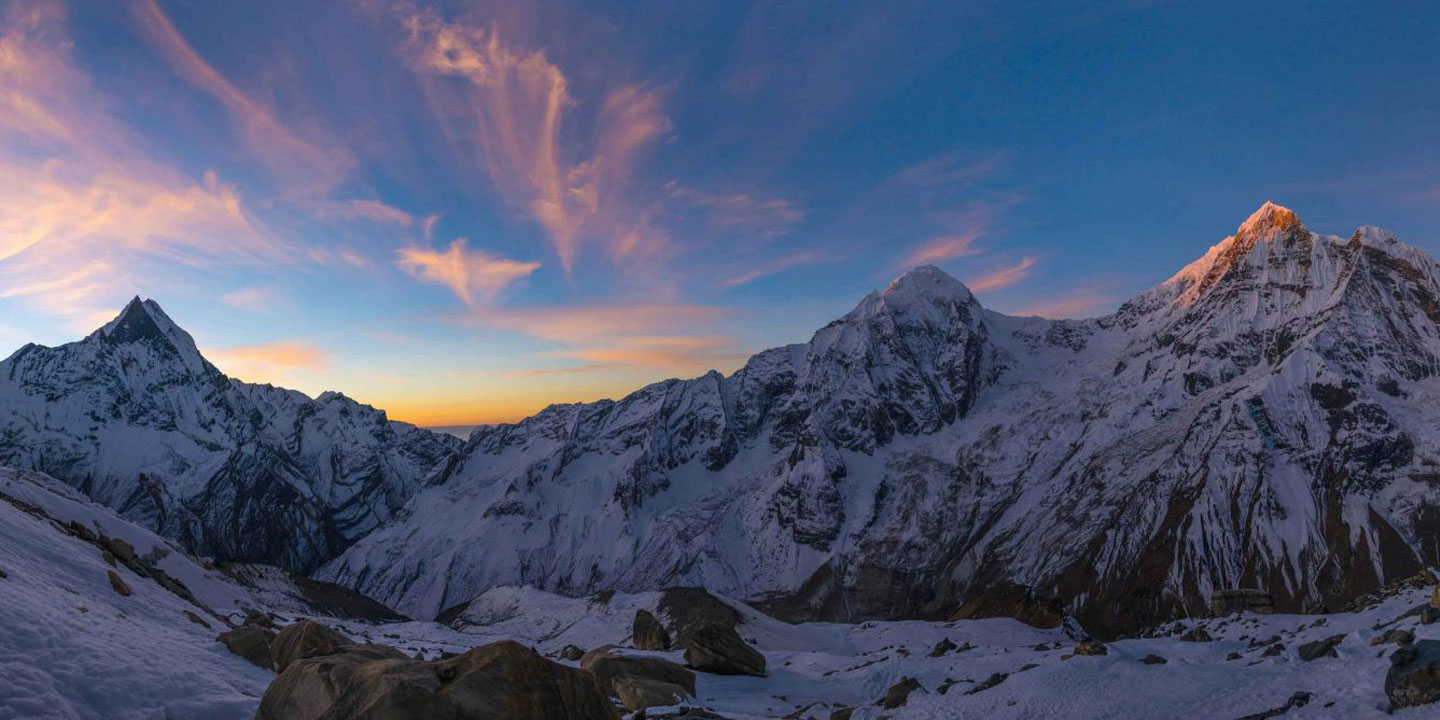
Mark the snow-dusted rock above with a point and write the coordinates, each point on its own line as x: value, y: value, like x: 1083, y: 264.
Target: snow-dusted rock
x: 1264, y: 419
x: 134, y: 417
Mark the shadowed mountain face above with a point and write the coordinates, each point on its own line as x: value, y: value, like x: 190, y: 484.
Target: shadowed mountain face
x: 136, y: 418
x: 1265, y: 418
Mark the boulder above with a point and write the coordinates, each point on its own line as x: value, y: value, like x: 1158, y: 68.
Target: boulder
x: 1414, y: 676
x: 117, y: 584
x: 720, y: 650
x: 942, y: 647
x: 1091, y: 647
x: 638, y: 693
x: 1394, y: 637
x: 899, y: 693
x: 251, y: 642
x: 572, y: 652
x: 304, y: 639
x: 606, y: 664
x: 255, y: 617
x: 123, y: 551
x: 647, y: 633
x: 687, y: 609
x: 1153, y: 660
x: 375, y: 682
x: 1319, y: 648
x: 1198, y: 634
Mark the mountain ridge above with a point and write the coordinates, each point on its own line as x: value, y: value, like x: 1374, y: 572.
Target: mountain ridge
x: 922, y: 451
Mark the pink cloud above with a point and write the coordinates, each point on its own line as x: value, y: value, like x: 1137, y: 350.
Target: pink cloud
x: 785, y: 263
x: 1003, y: 277
x: 473, y: 275
x: 940, y: 249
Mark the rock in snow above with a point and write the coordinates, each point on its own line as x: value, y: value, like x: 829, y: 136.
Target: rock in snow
x: 1263, y: 419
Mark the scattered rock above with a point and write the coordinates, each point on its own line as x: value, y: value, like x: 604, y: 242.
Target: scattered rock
x: 251, y: 642
x: 942, y: 647
x: 899, y: 693
x: 1233, y: 656
x: 1414, y: 677
x: 719, y: 650
x: 1273, y: 650
x: 648, y: 634
x: 3, y: 574
x: 605, y: 664
x: 945, y: 686
x: 1198, y: 634
x: 375, y: 682
x: 1091, y: 647
x: 1298, y: 700
x: 1429, y: 614
x: 192, y: 617
x: 123, y: 551
x: 1394, y: 637
x: 1226, y: 602
x: 1153, y: 660
x: 255, y: 617
x: 843, y: 713
x: 117, y: 584
x: 304, y: 639
x: 108, y: 557
x: 1320, y: 648
x: 988, y: 683
x: 638, y: 693
x: 572, y: 652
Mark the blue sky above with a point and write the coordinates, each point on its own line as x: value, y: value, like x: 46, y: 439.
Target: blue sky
x: 463, y: 212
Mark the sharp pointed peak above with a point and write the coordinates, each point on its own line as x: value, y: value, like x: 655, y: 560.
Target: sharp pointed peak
x: 1269, y: 217
x: 142, y: 319
x: 927, y: 280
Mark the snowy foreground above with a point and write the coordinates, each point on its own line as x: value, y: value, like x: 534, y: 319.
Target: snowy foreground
x: 73, y: 647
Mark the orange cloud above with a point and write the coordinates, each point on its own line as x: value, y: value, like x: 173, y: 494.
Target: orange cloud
x: 301, y: 164
x: 947, y: 247
x: 1004, y: 277
x: 514, y: 103
x: 275, y: 362
x: 473, y: 275
x: 1084, y: 302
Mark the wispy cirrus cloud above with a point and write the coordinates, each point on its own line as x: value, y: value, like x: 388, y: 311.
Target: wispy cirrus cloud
x: 1002, y: 277
x: 303, y: 165
x: 785, y: 263
x: 475, y: 276
x: 258, y: 299
x: 513, y: 103
x: 1080, y: 302
x: 84, y: 208
x: 940, y: 249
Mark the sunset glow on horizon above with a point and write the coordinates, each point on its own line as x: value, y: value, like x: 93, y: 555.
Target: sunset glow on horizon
x: 464, y: 212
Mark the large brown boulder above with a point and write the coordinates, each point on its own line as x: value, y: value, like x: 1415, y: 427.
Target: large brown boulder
x: 647, y: 633
x: 607, y: 664
x: 251, y: 642
x: 1414, y: 677
x: 720, y: 650
x: 304, y: 639
x: 638, y: 693
x: 687, y: 609
x: 374, y: 682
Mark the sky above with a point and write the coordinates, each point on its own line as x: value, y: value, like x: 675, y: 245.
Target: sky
x: 464, y: 212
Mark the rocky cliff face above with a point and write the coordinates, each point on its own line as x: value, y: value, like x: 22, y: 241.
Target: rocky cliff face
x: 136, y: 418
x: 1264, y: 418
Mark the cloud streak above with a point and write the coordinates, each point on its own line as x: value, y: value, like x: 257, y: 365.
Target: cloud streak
x: 475, y: 276
x: 1003, y: 277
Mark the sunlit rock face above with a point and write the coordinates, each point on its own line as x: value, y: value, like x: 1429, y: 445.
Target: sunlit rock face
x: 135, y: 417
x: 1265, y: 419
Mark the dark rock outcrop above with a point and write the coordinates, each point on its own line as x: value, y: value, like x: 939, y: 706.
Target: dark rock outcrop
x: 638, y: 693
x: 720, y: 650
x: 1226, y: 602
x: 607, y: 663
x: 1320, y: 648
x: 1414, y: 676
x: 251, y: 642
x: 373, y: 682
x: 304, y: 639
x: 647, y: 633
x: 899, y: 693
x: 117, y: 584
x: 687, y: 609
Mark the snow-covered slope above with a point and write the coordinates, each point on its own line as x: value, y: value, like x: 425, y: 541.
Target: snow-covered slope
x: 137, y: 419
x: 1264, y: 418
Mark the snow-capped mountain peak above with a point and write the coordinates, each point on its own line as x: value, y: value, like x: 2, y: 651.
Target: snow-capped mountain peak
x: 145, y: 321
